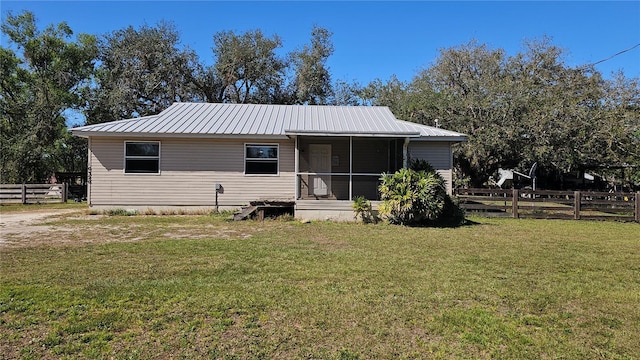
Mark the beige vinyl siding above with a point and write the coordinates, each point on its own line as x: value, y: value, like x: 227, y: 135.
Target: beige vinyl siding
x: 189, y: 170
x: 438, y: 154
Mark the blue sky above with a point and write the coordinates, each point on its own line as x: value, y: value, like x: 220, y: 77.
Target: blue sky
x: 375, y: 39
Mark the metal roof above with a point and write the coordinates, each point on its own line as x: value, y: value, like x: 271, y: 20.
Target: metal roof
x: 255, y: 120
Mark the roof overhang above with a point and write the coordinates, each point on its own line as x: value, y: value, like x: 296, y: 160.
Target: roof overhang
x: 351, y: 133
x: 442, y: 138
x: 88, y: 134
x: 288, y: 134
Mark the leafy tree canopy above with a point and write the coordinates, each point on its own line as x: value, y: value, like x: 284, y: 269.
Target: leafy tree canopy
x: 44, y: 74
x: 250, y: 70
x: 142, y: 72
x: 312, y: 79
x: 530, y: 107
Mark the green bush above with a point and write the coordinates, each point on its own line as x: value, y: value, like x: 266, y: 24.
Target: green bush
x: 417, y: 198
x: 421, y: 165
x: 120, y: 212
x: 363, y: 209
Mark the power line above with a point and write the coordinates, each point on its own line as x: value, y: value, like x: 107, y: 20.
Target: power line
x: 614, y: 55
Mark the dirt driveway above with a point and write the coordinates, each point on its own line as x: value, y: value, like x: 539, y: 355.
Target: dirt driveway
x: 39, y: 227
x: 22, y: 224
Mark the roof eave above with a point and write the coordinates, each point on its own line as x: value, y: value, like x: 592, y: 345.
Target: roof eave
x: 87, y: 134
x: 351, y: 133
x: 442, y: 138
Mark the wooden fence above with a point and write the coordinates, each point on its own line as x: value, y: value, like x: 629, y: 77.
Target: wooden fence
x: 546, y: 204
x: 33, y: 193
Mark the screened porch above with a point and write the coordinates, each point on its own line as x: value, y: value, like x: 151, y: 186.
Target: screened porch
x: 342, y: 168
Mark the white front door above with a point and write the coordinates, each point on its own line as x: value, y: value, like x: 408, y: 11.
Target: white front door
x: 320, y: 162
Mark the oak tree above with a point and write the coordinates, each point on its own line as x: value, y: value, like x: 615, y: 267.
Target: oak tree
x: 44, y: 74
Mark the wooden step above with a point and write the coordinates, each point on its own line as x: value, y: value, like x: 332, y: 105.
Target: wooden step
x: 245, y: 213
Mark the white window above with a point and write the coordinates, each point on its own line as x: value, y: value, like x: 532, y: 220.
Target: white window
x: 142, y: 157
x: 261, y: 159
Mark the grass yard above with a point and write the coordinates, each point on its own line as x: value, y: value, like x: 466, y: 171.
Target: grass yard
x: 146, y: 287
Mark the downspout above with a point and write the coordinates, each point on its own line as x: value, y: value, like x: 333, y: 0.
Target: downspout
x: 450, y: 184
x: 405, y: 153
x: 89, y: 152
x: 297, y: 168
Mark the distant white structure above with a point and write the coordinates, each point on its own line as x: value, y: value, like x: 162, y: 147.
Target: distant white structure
x: 506, y: 174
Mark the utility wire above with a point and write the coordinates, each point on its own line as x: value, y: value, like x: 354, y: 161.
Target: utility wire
x: 614, y: 55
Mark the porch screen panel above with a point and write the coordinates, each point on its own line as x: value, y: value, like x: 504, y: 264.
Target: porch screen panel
x: 367, y: 186
x: 370, y: 155
x: 339, y: 153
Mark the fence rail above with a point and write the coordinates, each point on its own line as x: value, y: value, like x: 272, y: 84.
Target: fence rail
x: 33, y: 193
x: 551, y: 204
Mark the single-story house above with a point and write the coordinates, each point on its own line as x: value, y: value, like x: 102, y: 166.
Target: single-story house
x: 207, y: 155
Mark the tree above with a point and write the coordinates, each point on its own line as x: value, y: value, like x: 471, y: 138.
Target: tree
x: 392, y: 93
x: 472, y: 97
x: 312, y: 79
x: 618, y: 130
x: 346, y: 93
x: 249, y: 70
x: 208, y: 85
x: 248, y: 67
x: 70, y: 153
x: 562, y: 107
x: 518, y: 110
x: 43, y: 77
x: 619, y: 127
x: 142, y: 72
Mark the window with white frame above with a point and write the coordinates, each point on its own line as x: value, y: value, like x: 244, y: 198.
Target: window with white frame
x: 261, y: 159
x: 142, y: 157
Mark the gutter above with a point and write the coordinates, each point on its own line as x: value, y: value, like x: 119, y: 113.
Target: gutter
x: 87, y: 134
x: 351, y: 133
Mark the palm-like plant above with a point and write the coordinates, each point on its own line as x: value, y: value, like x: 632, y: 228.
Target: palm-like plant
x: 412, y: 197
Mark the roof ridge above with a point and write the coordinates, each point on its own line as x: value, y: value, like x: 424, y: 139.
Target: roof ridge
x: 280, y: 105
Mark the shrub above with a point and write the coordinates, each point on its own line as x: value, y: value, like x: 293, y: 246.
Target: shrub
x: 362, y: 208
x: 421, y: 165
x: 417, y: 198
x: 120, y: 212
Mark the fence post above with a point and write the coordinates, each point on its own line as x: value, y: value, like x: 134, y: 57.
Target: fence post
x: 24, y: 193
x: 514, y: 203
x: 65, y: 191
x: 637, y: 207
x: 577, y: 199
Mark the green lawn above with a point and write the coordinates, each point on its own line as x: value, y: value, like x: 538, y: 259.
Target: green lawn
x: 203, y: 287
